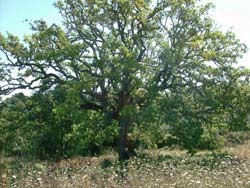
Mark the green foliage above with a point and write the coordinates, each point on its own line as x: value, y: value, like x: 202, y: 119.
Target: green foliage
x: 12, y: 118
x: 92, y: 136
x: 48, y: 126
x: 211, y: 140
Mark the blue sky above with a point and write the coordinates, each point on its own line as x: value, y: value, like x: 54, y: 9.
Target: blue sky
x: 14, y: 12
x: 228, y: 14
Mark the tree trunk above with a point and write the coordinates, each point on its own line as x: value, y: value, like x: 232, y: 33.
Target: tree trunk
x: 123, y: 138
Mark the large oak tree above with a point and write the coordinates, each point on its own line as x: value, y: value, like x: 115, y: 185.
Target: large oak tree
x: 119, y: 54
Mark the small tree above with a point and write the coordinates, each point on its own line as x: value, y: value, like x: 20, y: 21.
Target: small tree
x: 118, y: 55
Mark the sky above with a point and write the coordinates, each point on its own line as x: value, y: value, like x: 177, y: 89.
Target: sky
x: 234, y: 14
x: 227, y: 14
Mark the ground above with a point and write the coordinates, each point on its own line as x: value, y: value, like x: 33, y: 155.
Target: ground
x: 225, y: 168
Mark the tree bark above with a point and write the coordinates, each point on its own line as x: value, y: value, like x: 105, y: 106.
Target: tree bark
x: 123, y: 138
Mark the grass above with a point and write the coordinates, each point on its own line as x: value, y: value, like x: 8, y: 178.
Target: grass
x: 228, y: 168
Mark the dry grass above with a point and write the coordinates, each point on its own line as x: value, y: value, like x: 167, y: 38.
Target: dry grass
x: 241, y: 151
x: 229, y: 168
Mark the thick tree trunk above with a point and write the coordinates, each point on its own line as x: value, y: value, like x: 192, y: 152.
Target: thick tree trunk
x: 124, y: 121
x: 123, y: 138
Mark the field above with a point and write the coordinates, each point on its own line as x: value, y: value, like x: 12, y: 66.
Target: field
x: 227, y: 168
